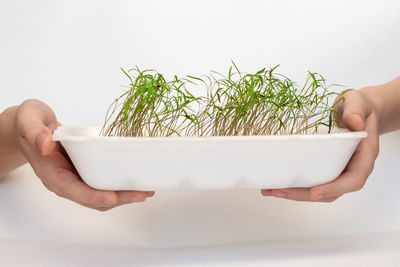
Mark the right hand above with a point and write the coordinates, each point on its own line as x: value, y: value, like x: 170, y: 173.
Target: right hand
x: 34, y: 124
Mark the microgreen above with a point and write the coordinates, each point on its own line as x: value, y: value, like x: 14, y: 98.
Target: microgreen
x: 263, y: 103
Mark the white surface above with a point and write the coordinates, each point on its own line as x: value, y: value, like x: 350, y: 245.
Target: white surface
x: 68, y: 53
x: 198, y: 163
x: 359, y: 228
x: 378, y: 249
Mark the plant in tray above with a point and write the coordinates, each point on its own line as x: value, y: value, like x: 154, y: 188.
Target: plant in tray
x: 262, y: 103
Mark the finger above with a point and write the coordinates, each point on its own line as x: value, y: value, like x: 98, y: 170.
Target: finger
x: 266, y: 192
x: 35, y: 123
x: 60, y: 177
x: 68, y: 185
x: 352, y: 179
x: 58, y: 174
x: 45, y: 142
x: 299, y: 194
x: 353, y: 111
x: 49, y: 187
x: 149, y: 193
x: 125, y: 197
x: 357, y: 170
x: 339, y: 100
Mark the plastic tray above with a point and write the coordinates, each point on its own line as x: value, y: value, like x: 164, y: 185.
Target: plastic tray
x: 226, y: 162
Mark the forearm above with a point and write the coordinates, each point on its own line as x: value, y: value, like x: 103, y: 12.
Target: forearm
x: 386, y: 99
x: 10, y: 155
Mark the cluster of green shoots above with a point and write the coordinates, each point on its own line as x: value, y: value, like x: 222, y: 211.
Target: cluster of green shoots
x: 263, y: 103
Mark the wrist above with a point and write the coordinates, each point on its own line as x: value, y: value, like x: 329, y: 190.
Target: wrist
x: 385, y: 102
x: 7, y: 132
x: 374, y: 99
x: 11, y: 155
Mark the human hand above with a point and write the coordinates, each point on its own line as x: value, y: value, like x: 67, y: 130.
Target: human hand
x: 356, y: 113
x: 34, y: 124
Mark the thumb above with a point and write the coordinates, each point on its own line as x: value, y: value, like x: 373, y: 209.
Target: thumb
x: 355, y: 112
x: 35, y: 123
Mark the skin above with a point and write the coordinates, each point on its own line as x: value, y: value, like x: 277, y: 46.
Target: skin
x: 26, y: 136
x: 374, y: 109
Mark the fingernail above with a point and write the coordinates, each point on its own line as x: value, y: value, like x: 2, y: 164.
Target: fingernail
x: 282, y: 194
x: 320, y: 197
x: 40, y: 141
x: 149, y: 194
x: 266, y: 192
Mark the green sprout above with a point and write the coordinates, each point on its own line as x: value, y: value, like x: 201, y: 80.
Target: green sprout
x: 263, y: 103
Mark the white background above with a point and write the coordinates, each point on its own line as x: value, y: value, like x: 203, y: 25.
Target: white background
x: 68, y: 54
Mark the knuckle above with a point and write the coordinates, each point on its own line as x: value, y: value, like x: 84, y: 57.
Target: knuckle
x: 94, y: 199
x: 64, y: 184
x: 376, y: 151
x: 48, y: 186
x: 63, y: 193
x: 18, y: 123
x: 370, y: 169
x: 59, y: 193
x: 349, y: 93
x: 39, y: 173
x: 30, y: 101
x: 369, y: 172
x: 93, y: 203
x: 21, y: 124
x: 63, y: 175
x: 359, y: 186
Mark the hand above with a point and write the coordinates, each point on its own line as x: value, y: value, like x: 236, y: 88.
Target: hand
x: 33, y: 125
x: 356, y: 113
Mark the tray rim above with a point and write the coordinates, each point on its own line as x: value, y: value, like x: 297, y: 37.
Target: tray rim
x: 61, y: 134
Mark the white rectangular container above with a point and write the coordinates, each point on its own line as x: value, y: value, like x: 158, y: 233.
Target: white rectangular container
x: 226, y: 162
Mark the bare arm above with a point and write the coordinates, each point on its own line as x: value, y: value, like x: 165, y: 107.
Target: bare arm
x: 374, y: 109
x: 26, y: 136
x: 386, y: 99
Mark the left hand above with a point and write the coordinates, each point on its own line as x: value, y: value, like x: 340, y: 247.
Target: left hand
x: 356, y: 113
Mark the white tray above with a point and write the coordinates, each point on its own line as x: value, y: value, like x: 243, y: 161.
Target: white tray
x: 226, y: 162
